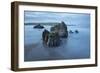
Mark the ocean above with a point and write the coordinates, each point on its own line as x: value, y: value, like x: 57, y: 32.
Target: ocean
x: 76, y: 46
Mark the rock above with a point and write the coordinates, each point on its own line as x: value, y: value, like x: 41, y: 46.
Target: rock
x: 61, y: 28
x: 39, y: 26
x: 76, y: 31
x: 45, y: 36
x: 71, y: 31
x: 54, y: 39
x: 50, y: 39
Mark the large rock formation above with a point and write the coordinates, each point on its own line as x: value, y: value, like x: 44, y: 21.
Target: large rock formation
x: 45, y: 36
x: 61, y: 28
x: 53, y: 38
x: 50, y: 39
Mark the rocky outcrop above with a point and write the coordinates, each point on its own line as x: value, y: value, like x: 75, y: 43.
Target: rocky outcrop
x: 45, y: 36
x: 50, y: 39
x: 76, y: 31
x: 70, y: 31
x: 61, y: 28
x: 38, y: 26
x: 53, y: 38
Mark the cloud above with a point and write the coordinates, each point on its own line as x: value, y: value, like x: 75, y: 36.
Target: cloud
x: 70, y: 18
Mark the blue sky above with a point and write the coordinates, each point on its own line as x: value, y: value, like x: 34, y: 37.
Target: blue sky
x: 69, y: 18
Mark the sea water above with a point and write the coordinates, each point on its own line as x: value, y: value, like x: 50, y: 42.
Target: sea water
x: 76, y: 46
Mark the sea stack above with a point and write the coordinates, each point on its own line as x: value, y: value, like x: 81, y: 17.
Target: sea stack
x: 61, y: 28
x: 53, y: 38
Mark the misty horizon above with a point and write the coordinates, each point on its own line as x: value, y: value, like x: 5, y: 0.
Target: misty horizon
x: 77, y: 19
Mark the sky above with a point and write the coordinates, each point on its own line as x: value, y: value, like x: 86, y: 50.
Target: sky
x: 81, y: 19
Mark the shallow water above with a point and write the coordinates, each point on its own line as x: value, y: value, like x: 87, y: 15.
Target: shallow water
x: 76, y: 46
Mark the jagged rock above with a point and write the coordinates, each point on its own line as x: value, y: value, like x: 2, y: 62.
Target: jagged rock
x: 45, y: 36
x: 38, y: 26
x: 61, y: 28
x: 71, y: 31
x: 54, y: 39
x: 50, y: 39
